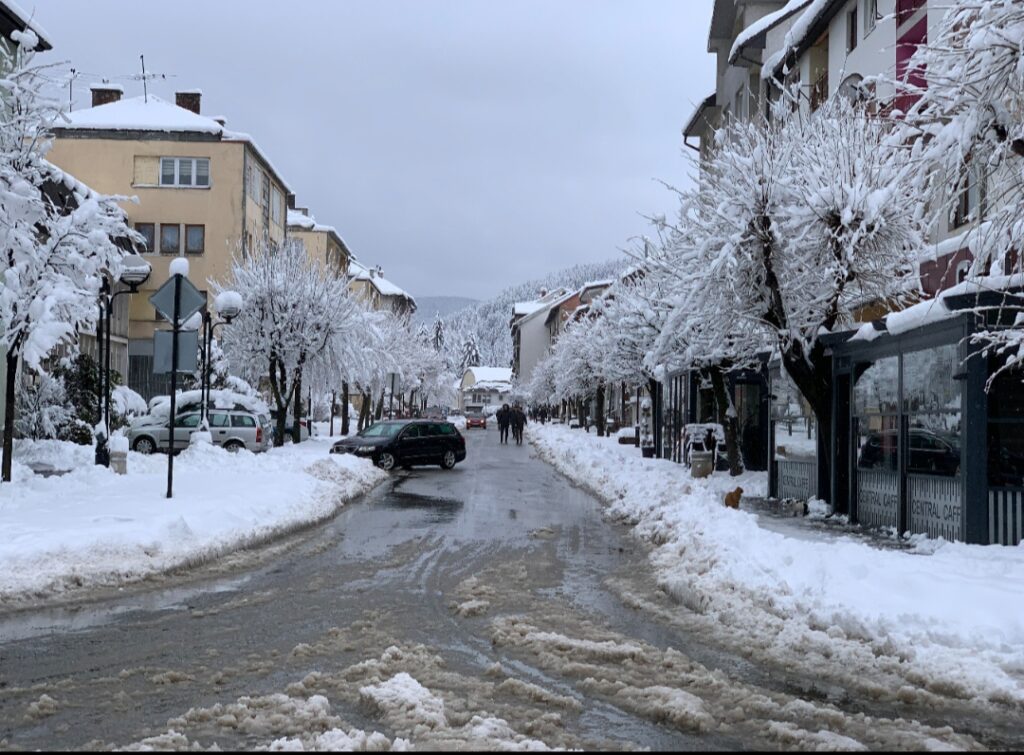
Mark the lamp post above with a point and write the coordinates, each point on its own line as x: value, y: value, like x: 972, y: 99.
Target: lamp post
x: 229, y: 306
x: 134, y: 272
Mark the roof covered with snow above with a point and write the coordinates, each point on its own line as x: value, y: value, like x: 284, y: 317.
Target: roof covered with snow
x: 805, y: 30
x: 154, y: 114
x: 384, y: 287
x: 701, y: 111
x: 490, y: 375
x: 13, y: 15
x: 142, y: 114
x: 754, y: 35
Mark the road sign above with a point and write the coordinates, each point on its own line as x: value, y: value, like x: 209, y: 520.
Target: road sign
x: 188, y: 351
x: 192, y: 300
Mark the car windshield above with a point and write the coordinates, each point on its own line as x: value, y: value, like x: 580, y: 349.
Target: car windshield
x: 382, y: 430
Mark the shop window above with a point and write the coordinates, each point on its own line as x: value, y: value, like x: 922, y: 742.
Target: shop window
x: 796, y: 435
x: 876, y: 408
x: 931, y: 400
x: 1006, y: 430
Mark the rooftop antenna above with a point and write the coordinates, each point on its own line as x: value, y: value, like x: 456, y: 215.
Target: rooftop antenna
x: 145, y: 92
x: 71, y: 90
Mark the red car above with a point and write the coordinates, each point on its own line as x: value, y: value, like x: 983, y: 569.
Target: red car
x: 476, y: 420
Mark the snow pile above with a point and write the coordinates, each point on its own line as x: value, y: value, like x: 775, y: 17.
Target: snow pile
x: 127, y: 402
x: 964, y: 633
x: 92, y: 527
x: 228, y: 301
x: 405, y: 699
x: 337, y: 740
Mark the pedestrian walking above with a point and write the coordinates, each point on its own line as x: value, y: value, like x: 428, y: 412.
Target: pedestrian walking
x: 504, y: 417
x: 518, y: 423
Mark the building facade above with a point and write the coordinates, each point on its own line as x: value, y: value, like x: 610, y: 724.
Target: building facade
x: 203, y: 192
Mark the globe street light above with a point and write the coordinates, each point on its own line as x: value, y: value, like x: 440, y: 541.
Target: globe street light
x: 229, y: 306
x: 135, y: 271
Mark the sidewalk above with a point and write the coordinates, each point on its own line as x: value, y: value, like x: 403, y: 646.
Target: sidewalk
x: 952, y: 610
x: 91, y: 527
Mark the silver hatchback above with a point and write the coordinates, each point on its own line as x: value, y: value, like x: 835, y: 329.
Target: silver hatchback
x: 233, y: 429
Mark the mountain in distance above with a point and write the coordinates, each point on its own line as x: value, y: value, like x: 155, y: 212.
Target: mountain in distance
x: 428, y: 307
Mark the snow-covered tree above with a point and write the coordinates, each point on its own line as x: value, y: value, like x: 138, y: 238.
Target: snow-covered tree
x: 58, y: 236
x: 798, y: 220
x: 971, y: 113
x: 470, y: 354
x: 438, y: 333
x: 295, y: 316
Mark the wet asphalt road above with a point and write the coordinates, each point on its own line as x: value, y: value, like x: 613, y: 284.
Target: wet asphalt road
x: 501, y: 583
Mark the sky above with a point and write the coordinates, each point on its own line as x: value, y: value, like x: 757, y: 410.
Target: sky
x: 462, y: 145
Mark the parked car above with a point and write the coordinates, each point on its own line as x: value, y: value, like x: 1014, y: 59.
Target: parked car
x: 232, y: 429
x: 406, y: 443
x: 476, y: 419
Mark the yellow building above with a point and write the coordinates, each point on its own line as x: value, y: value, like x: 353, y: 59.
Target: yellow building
x: 203, y: 192
x: 323, y: 243
x: 370, y: 285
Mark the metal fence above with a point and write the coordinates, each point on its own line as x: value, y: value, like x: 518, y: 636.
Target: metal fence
x: 1005, y: 514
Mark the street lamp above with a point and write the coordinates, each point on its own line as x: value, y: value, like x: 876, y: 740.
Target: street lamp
x: 229, y: 306
x: 134, y: 272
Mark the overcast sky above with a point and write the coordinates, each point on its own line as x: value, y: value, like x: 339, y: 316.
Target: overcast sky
x: 463, y: 145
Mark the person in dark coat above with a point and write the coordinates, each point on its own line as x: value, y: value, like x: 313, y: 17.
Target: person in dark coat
x: 518, y: 423
x: 504, y: 417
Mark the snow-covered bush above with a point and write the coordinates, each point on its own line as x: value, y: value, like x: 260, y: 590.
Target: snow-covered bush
x: 42, y: 406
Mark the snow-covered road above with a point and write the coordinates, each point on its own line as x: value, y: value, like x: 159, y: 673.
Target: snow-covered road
x: 492, y: 606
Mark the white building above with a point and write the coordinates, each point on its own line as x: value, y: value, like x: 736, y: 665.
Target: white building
x: 531, y: 338
x: 484, y: 387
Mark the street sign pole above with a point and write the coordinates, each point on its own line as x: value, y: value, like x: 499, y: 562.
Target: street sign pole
x: 174, y: 383
x: 391, y: 401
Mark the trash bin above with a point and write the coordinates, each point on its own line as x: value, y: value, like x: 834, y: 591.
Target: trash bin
x: 119, y: 461
x: 648, y: 452
x: 701, y: 463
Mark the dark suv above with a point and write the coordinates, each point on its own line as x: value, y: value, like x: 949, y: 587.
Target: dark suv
x: 405, y: 443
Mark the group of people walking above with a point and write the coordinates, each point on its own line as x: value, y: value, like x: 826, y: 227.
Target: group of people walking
x: 513, y: 418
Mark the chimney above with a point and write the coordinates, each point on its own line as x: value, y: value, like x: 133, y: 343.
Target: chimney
x: 103, y: 94
x: 189, y: 99
x: 221, y: 120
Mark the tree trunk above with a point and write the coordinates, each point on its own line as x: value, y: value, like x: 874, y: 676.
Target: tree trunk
x: 727, y: 419
x: 379, y: 414
x: 344, y: 409
x: 364, y: 410
x: 280, y: 402
x: 599, y: 410
x: 812, y: 375
x: 12, y: 375
x: 297, y: 412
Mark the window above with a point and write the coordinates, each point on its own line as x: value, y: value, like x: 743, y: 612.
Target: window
x: 187, y: 420
x: 870, y: 16
x: 276, y: 205
x: 185, y: 171
x: 968, y: 199
x: 962, y: 269
x: 148, y: 231
x: 242, y: 420
x: 265, y: 198
x: 851, y: 30
x: 218, y: 419
x: 170, y: 239
x: 195, y: 239
x: 254, y: 180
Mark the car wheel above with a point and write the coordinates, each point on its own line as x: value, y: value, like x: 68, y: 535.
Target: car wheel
x: 233, y: 446
x: 448, y: 461
x: 386, y: 461
x: 144, y: 445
